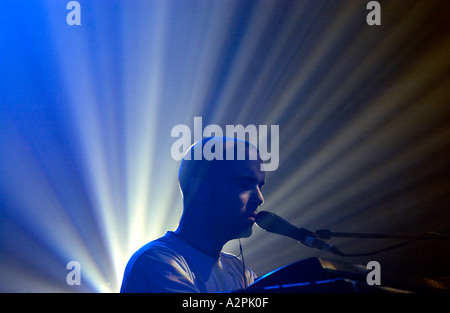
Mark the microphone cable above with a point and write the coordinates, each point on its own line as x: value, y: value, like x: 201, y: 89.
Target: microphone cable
x: 426, y: 235
x: 241, y: 254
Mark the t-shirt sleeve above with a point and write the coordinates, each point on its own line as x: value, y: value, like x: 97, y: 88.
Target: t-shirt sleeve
x: 158, y: 271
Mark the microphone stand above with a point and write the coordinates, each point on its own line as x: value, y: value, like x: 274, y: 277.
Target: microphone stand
x: 327, y: 234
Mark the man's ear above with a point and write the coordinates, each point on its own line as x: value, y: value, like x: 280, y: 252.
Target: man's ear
x: 199, y: 188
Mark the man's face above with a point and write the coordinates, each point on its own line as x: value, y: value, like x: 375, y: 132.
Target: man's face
x: 235, y: 195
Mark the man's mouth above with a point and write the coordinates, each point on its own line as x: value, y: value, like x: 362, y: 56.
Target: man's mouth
x: 251, y: 217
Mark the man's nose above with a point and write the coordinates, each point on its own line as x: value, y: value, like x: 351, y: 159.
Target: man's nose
x: 257, y: 197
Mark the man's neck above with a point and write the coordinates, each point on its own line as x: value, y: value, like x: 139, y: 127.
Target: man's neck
x: 201, y: 239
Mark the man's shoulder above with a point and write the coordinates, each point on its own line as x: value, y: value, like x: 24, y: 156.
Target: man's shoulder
x: 151, y: 268
x: 161, y: 248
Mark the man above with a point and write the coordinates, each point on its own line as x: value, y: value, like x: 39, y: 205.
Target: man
x: 220, y: 201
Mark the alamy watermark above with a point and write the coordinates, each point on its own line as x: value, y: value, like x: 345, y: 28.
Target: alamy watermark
x: 74, y: 16
x: 257, y: 136
x: 374, y: 16
x: 74, y: 276
x: 374, y: 276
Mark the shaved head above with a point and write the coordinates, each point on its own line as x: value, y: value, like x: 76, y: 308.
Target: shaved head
x: 221, y: 195
x: 220, y: 153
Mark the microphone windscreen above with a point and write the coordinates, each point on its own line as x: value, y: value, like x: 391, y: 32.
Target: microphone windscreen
x: 264, y: 219
x: 275, y: 224
x: 270, y: 222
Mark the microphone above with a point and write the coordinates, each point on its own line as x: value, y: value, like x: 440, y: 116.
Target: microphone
x: 274, y: 224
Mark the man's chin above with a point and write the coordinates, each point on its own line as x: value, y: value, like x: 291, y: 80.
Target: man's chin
x: 245, y: 233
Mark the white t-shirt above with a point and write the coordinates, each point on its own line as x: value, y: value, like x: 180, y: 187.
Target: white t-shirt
x: 169, y: 264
